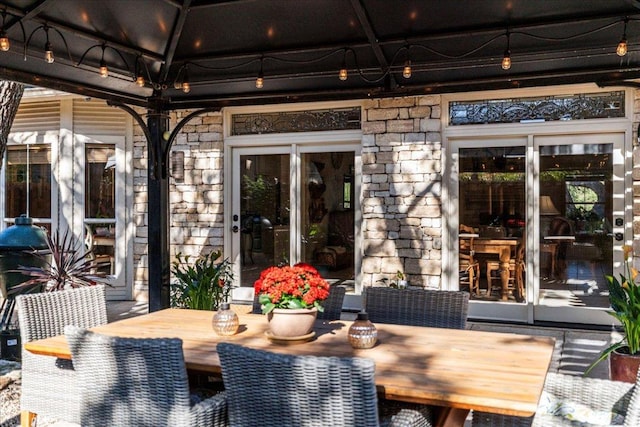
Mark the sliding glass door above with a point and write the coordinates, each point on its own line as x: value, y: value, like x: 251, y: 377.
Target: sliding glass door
x: 540, y: 222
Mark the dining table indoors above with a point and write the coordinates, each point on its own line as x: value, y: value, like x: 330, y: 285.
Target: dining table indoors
x: 456, y: 370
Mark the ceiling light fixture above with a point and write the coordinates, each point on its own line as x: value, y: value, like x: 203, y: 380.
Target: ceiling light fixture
x: 506, y: 59
x: 621, y: 50
x: 260, y: 79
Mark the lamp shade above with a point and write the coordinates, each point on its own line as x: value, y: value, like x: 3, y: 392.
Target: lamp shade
x: 547, y: 207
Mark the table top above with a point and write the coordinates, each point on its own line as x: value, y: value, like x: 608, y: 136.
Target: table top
x: 494, y: 372
x: 568, y: 238
x: 468, y: 235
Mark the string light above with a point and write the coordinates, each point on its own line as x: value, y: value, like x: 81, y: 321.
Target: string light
x: 621, y: 50
x: 186, y: 87
x: 104, y: 71
x: 5, y: 44
x: 48, y: 51
x: 343, y: 74
x: 506, y: 59
x: 406, y: 70
x: 260, y: 79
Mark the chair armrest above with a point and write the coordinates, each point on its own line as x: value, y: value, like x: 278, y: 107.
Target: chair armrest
x: 421, y: 416
x: 210, y: 412
x: 599, y: 394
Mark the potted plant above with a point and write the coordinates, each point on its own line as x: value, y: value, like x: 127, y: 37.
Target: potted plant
x: 291, y: 296
x: 203, y: 284
x: 65, y: 264
x: 399, y: 282
x: 624, y: 297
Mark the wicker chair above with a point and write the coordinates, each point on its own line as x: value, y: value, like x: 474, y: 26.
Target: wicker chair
x: 49, y: 384
x: 137, y: 382
x: 275, y: 390
x: 417, y: 307
x: 597, y: 394
x: 332, y: 305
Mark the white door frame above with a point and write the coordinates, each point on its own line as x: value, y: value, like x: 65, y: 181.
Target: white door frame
x: 587, y: 131
x: 293, y: 144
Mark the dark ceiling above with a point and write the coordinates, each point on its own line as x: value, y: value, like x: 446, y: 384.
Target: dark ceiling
x: 219, y: 47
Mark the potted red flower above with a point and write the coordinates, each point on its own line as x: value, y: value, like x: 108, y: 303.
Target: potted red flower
x: 286, y: 291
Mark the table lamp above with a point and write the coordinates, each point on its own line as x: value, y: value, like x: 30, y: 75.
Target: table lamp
x: 547, y: 208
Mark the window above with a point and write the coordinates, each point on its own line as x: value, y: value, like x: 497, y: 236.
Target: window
x: 585, y: 204
x: 28, y: 181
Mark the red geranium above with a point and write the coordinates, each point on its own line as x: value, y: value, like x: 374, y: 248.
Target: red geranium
x: 298, y: 286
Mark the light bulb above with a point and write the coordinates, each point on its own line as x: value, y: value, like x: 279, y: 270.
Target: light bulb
x: 140, y: 81
x: 506, y: 61
x: 4, y: 42
x: 48, y: 54
x: 343, y: 74
x: 186, y: 87
x: 259, y: 82
x: 104, y: 71
x: 621, y: 50
x: 406, y: 71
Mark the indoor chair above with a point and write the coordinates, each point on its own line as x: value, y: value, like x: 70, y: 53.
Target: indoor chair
x: 266, y: 389
x: 49, y: 385
x: 137, y: 382
x: 468, y: 266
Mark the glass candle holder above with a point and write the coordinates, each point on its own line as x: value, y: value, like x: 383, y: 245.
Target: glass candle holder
x: 225, y: 321
x: 362, y: 333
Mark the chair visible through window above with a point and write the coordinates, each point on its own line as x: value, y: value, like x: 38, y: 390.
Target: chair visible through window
x: 468, y: 265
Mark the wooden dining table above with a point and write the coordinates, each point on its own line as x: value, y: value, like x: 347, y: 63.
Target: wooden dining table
x: 456, y: 370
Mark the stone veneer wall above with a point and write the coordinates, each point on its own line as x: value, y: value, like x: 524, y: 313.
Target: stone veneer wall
x: 195, y: 201
x: 401, y: 185
x: 401, y: 177
x: 402, y: 188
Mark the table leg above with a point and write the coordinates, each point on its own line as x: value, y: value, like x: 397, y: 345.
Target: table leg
x: 451, y: 417
x: 505, y: 256
x: 26, y: 418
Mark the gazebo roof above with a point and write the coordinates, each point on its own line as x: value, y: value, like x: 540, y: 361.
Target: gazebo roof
x: 220, y: 47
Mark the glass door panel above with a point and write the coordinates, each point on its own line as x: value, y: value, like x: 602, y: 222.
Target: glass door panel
x: 327, y: 213
x: 100, y: 205
x: 492, y: 223
x: 265, y: 213
x: 576, y: 217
